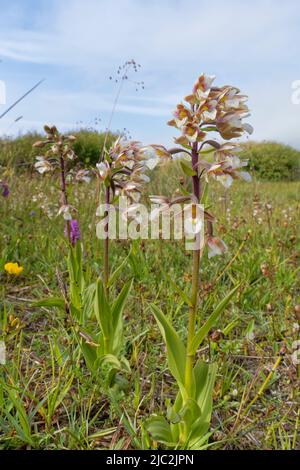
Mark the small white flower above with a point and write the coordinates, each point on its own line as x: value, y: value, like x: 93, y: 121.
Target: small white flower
x: 216, y: 246
x: 202, y: 86
x: 225, y: 180
x: 210, y: 115
x: 130, y: 186
x: 71, y: 155
x: 135, y: 196
x: 151, y: 159
x: 144, y: 178
x: 83, y: 175
x: 65, y: 210
x: 235, y: 163
x: 248, y: 128
x: 55, y: 149
x: 42, y: 165
x: 245, y: 175
x: 296, y: 327
x: 152, y: 162
x: 103, y: 169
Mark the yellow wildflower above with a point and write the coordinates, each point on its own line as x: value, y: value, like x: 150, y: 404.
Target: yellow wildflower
x: 13, y: 268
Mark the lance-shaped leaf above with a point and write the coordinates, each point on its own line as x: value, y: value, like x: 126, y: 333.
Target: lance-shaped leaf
x: 204, y: 376
x: 88, y: 299
x: 176, y: 351
x: 58, y: 302
x: 175, y: 286
x: 187, y: 169
x: 160, y: 430
x: 210, y: 322
x: 76, y: 275
x: 89, y: 350
x: 111, y: 360
x: 119, y: 303
x: 114, y: 276
x: 103, y: 315
x: 116, y: 312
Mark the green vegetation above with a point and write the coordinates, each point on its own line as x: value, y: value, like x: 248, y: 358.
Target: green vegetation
x: 49, y: 399
x: 88, y: 145
x: 268, y: 161
x: 271, y: 161
x: 18, y: 152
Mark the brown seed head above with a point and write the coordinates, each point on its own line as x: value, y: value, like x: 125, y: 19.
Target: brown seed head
x: 265, y: 270
x: 216, y: 336
x: 282, y: 351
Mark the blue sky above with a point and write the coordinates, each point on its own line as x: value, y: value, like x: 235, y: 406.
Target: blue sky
x: 77, y: 44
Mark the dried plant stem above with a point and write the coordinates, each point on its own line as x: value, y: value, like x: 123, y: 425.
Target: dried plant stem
x: 63, y: 186
x: 264, y: 385
x: 231, y: 261
x: 106, y: 246
x: 112, y: 115
x: 117, y: 96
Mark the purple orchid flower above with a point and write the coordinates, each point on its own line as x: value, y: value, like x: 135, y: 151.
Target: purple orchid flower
x: 4, y: 189
x: 74, y: 231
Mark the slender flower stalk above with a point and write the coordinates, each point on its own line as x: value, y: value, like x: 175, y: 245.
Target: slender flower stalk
x: 58, y: 153
x: 106, y: 246
x: 122, y: 172
x: 123, y: 71
x: 195, y: 284
x: 122, y: 76
x: 63, y: 188
x: 221, y: 111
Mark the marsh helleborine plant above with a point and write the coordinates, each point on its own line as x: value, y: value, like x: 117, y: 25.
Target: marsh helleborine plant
x: 219, y: 110
x: 209, y: 111
x: 123, y: 172
x: 58, y: 153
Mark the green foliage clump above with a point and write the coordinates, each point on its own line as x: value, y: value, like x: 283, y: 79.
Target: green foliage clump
x: 268, y: 161
x: 271, y: 161
x: 19, y: 153
x: 89, y: 145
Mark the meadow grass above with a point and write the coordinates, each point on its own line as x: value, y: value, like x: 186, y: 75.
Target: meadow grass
x: 49, y: 400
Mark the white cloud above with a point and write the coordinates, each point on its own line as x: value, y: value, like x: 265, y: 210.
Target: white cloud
x: 251, y: 44
x: 189, y: 30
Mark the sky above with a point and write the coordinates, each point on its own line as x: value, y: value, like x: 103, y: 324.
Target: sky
x: 76, y: 45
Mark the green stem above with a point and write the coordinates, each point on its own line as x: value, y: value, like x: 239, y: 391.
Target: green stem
x: 195, y: 286
x: 64, y: 195
x: 192, y: 323
x: 106, y: 248
x: 106, y: 345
